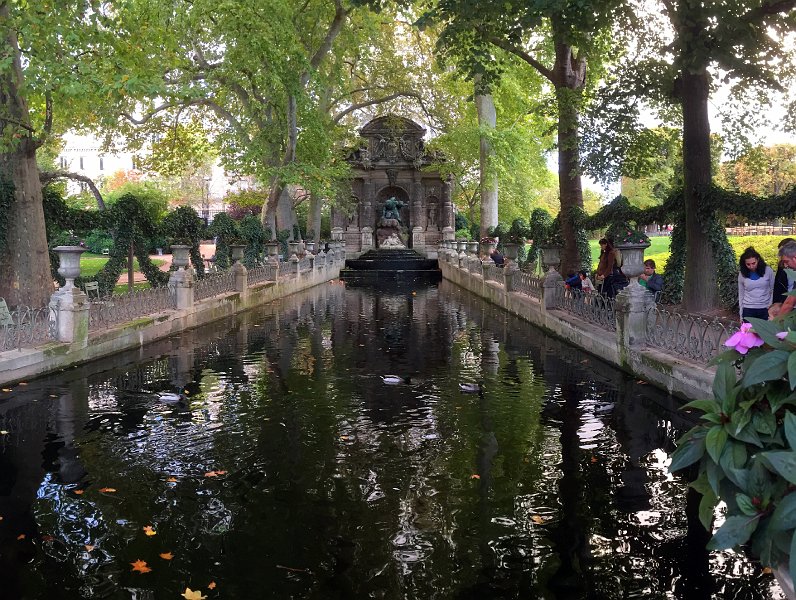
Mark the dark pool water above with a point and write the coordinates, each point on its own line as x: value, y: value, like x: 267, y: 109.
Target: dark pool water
x: 292, y: 471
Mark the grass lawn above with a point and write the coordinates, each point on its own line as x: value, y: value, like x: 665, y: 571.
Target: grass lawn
x: 91, y: 264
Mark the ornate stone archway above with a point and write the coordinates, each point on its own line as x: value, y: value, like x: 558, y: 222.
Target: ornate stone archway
x: 392, y: 162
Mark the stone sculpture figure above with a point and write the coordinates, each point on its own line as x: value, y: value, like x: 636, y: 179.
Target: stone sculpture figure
x: 392, y: 207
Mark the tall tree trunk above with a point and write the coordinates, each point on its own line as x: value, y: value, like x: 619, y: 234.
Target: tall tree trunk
x: 487, y: 118
x: 24, y: 258
x: 25, y: 276
x: 700, y: 290
x: 569, y: 76
x: 314, y: 218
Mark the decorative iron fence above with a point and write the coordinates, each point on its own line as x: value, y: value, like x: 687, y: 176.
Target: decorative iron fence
x: 689, y: 336
x: 26, y: 327
x: 594, y: 308
x: 305, y: 264
x: 493, y: 273
x: 527, y: 284
x: 260, y: 273
x: 127, y: 307
x: 213, y: 285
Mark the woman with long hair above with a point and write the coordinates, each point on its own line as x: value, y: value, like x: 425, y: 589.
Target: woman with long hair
x: 755, y: 285
x: 609, y: 269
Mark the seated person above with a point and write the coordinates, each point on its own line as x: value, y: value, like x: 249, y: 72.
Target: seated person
x: 585, y: 283
x: 497, y: 257
x: 573, y: 281
x: 649, y: 279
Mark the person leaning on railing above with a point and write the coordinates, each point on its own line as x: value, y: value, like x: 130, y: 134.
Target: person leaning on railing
x: 755, y: 285
x: 787, y: 255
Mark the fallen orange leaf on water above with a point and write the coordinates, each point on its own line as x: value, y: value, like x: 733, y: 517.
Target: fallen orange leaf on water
x: 189, y: 594
x: 21, y: 536
x: 537, y: 519
x: 47, y: 538
x: 108, y: 490
x: 166, y: 555
x: 78, y: 492
x: 140, y: 566
x: 767, y: 570
x: 88, y: 547
x: 7, y: 390
x: 215, y: 473
x: 172, y: 480
x: 475, y: 477
x: 149, y: 530
x: 211, y: 585
x: 594, y: 459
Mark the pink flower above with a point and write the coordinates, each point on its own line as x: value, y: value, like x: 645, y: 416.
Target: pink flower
x: 744, y: 339
x: 782, y: 335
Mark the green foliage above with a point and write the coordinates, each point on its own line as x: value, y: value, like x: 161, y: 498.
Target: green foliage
x: 184, y: 224
x: 461, y: 222
x: 254, y: 235
x: 463, y: 234
x: 623, y: 233
x: 97, y: 240
x: 225, y: 230
x: 283, y: 236
x: 745, y: 445
x: 674, y: 275
x: 537, y: 230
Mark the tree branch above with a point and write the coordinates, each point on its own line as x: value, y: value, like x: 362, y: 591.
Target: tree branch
x: 46, y: 177
x: 518, y: 52
x: 336, y: 118
x: 217, y: 109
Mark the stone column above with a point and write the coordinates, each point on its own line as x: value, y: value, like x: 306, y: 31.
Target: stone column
x: 447, y: 205
x: 240, y: 274
x: 552, y: 287
x: 182, y: 282
x: 418, y: 218
x: 367, y: 238
x: 69, y: 306
x: 632, y: 304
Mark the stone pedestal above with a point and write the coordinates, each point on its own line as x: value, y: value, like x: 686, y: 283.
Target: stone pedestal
x: 69, y: 307
x: 240, y: 274
x: 552, y: 287
x: 632, y: 304
x: 418, y: 239
x: 337, y: 233
x: 448, y: 234
x: 182, y: 282
x: 366, y: 237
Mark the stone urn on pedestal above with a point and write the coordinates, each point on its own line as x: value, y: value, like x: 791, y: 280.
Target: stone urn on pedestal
x: 551, y: 257
x: 633, y: 264
x: 237, y: 251
x: 180, y: 255
x: 293, y: 248
x: 69, y: 264
x: 272, y: 250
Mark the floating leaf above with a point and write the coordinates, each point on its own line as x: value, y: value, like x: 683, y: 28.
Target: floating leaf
x: 189, y: 594
x: 7, y: 390
x: 47, y: 538
x: 21, y: 536
x: 3, y: 432
x: 23, y: 383
x: 88, y: 547
x: 474, y: 476
x: 140, y: 566
x: 166, y: 555
x: 538, y: 519
x: 78, y: 492
x: 215, y: 473
x: 211, y: 585
x: 108, y: 490
x: 149, y: 530
x: 172, y: 480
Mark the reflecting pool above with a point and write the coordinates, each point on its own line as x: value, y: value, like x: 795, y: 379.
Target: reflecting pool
x: 265, y: 457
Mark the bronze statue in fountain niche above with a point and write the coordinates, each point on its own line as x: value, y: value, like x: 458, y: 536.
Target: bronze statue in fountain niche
x: 392, y: 208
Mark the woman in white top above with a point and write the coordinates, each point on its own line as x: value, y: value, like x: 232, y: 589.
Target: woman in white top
x: 755, y: 285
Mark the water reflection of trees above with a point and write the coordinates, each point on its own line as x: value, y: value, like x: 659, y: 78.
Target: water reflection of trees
x: 367, y: 486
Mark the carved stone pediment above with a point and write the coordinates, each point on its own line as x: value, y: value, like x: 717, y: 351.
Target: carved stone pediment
x: 391, y: 141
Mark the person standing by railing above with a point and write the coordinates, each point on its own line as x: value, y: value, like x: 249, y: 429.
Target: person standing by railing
x: 755, y: 285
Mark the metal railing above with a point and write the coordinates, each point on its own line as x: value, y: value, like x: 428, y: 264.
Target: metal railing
x: 527, y: 284
x: 213, y: 285
x: 690, y: 336
x: 127, y: 307
x: 493, y: 273
x: 762, y: 229
x: 260, y: 273
x: 26, y: 327
x: 594, y: 308
x: 304, y: 264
